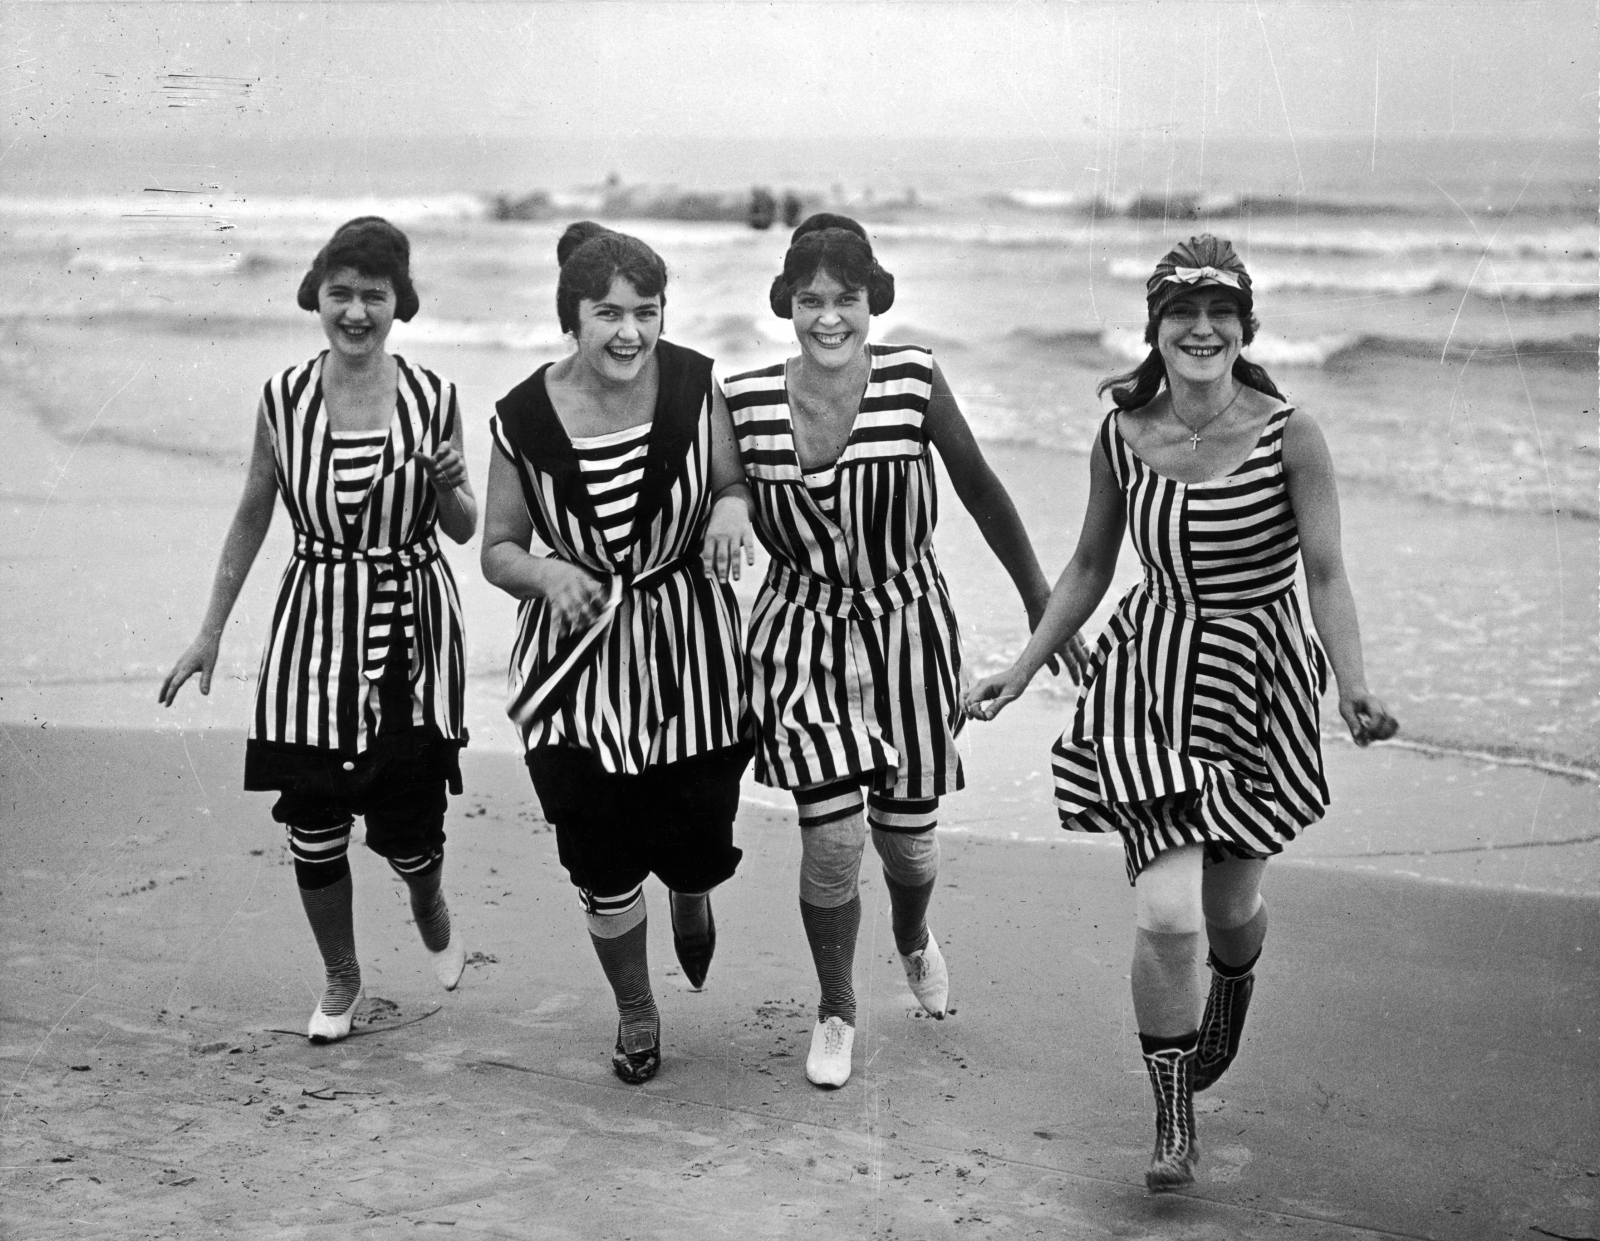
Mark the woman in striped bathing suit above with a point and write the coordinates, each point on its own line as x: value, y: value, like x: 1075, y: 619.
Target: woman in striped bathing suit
x: 359, y: 701
x: 854, y: 656
x: 1196, y: 730
x: 625, y: 678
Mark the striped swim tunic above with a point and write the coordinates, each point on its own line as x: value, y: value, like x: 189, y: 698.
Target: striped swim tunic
x: 366, y: 633
x: 658, y: 677
x: 854, y: 655
x: 1198, y: 721
x: 613, y: 469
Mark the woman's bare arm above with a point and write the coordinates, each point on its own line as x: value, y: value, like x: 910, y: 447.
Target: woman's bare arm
x: 240, y: 546
x: 1315, y: 499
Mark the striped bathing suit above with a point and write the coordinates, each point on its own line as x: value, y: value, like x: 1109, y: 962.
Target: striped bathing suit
x: 657, y: 678
x: 854, y: 656
x: 1198, y: 720
x: 366, y: 597
x: 613, y: 469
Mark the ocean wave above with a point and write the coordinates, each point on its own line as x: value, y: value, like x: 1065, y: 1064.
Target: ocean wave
x: 1201, y: 205
x: 482, y: 335
x: 163, y: 205
x: 1512, y: 281
x: 1338, y: 349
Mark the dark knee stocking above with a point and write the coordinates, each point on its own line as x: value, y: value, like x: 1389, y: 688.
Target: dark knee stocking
x: 626, y: 962
x: 1234, y: 949
x: 832, y: 936
x: 329, y: 910
x: 424, y: 878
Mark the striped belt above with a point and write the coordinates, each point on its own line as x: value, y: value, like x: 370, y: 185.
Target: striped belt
x: 543, y: 692
x: 818, y: 594
x: 388, y: 574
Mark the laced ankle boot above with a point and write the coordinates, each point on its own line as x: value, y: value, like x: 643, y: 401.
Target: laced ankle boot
x: 1222, y: 1026
x: 1177, y: 1149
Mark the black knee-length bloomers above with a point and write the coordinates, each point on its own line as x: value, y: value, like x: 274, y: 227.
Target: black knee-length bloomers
x: 657, y: 680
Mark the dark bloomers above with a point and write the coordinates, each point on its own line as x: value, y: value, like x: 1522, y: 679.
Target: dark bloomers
x: 837, y: 245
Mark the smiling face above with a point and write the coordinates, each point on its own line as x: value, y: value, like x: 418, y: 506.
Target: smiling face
x: 830, y: 321
x: 1200, y: 335
x: 617, y: 334
x: 357, y: 312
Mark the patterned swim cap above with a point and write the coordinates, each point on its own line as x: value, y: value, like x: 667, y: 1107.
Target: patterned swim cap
x: 1200, y: 262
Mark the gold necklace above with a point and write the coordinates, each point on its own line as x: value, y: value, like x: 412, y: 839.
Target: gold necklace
x: 1194, y: 432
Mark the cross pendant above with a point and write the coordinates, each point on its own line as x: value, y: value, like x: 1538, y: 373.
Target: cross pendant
x: 1194, y: 441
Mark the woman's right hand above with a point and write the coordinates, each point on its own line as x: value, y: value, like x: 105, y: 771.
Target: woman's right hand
x: 989, y: 697
x: 573, y: 595
x: 201, y: 657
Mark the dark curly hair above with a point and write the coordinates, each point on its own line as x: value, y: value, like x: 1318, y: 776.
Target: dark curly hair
x: 591, y: 257
x: 372, y: 246
x: 839, y: 246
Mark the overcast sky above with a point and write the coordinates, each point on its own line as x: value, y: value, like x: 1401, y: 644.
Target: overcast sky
x: 110, y: 78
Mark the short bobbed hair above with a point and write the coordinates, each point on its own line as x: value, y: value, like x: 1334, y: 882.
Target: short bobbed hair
x: 372, y: 246
x: 838, y: 246
x: 591, y: 257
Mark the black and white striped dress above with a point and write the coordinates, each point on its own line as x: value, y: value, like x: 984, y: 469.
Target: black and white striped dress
x: 658, y: 677
x: 1198, y: 721
x: 366, y: 590
x: 854, y: 655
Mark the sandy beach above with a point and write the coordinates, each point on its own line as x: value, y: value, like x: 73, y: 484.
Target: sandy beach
x: 1420, y: 1060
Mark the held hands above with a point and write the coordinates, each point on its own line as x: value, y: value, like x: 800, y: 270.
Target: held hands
x: 201, y: 657
x: 446, y: 469
x: 1368, y: 719
x: 988, y: 697
x: 727, y: 534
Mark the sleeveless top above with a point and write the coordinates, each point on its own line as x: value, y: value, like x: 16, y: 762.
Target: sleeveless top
x: 1198, y: 720
x: 855, y: 659
x: 658, y: 677
x: 366, y: 603
x: 613, y: 469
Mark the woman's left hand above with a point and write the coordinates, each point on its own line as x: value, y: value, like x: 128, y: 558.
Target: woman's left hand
x: 446, y: 469
x: 727, y: 534
x: 1367, y: 718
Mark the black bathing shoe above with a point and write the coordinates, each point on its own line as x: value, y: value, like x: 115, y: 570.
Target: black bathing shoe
x: 1177, y: 1148
x: 1222, y: 1026
x: 637, y: 1055
x: 695, y: 956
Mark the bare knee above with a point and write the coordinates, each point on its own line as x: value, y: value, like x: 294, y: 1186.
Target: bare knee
x: 1167, y: 893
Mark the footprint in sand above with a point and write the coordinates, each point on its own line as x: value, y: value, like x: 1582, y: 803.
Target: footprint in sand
x: 1227, y: 1163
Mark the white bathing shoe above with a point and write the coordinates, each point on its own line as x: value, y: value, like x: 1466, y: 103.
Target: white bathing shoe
x: 828, y: 1062
x: 929, y: 977
x: 447, y: 965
